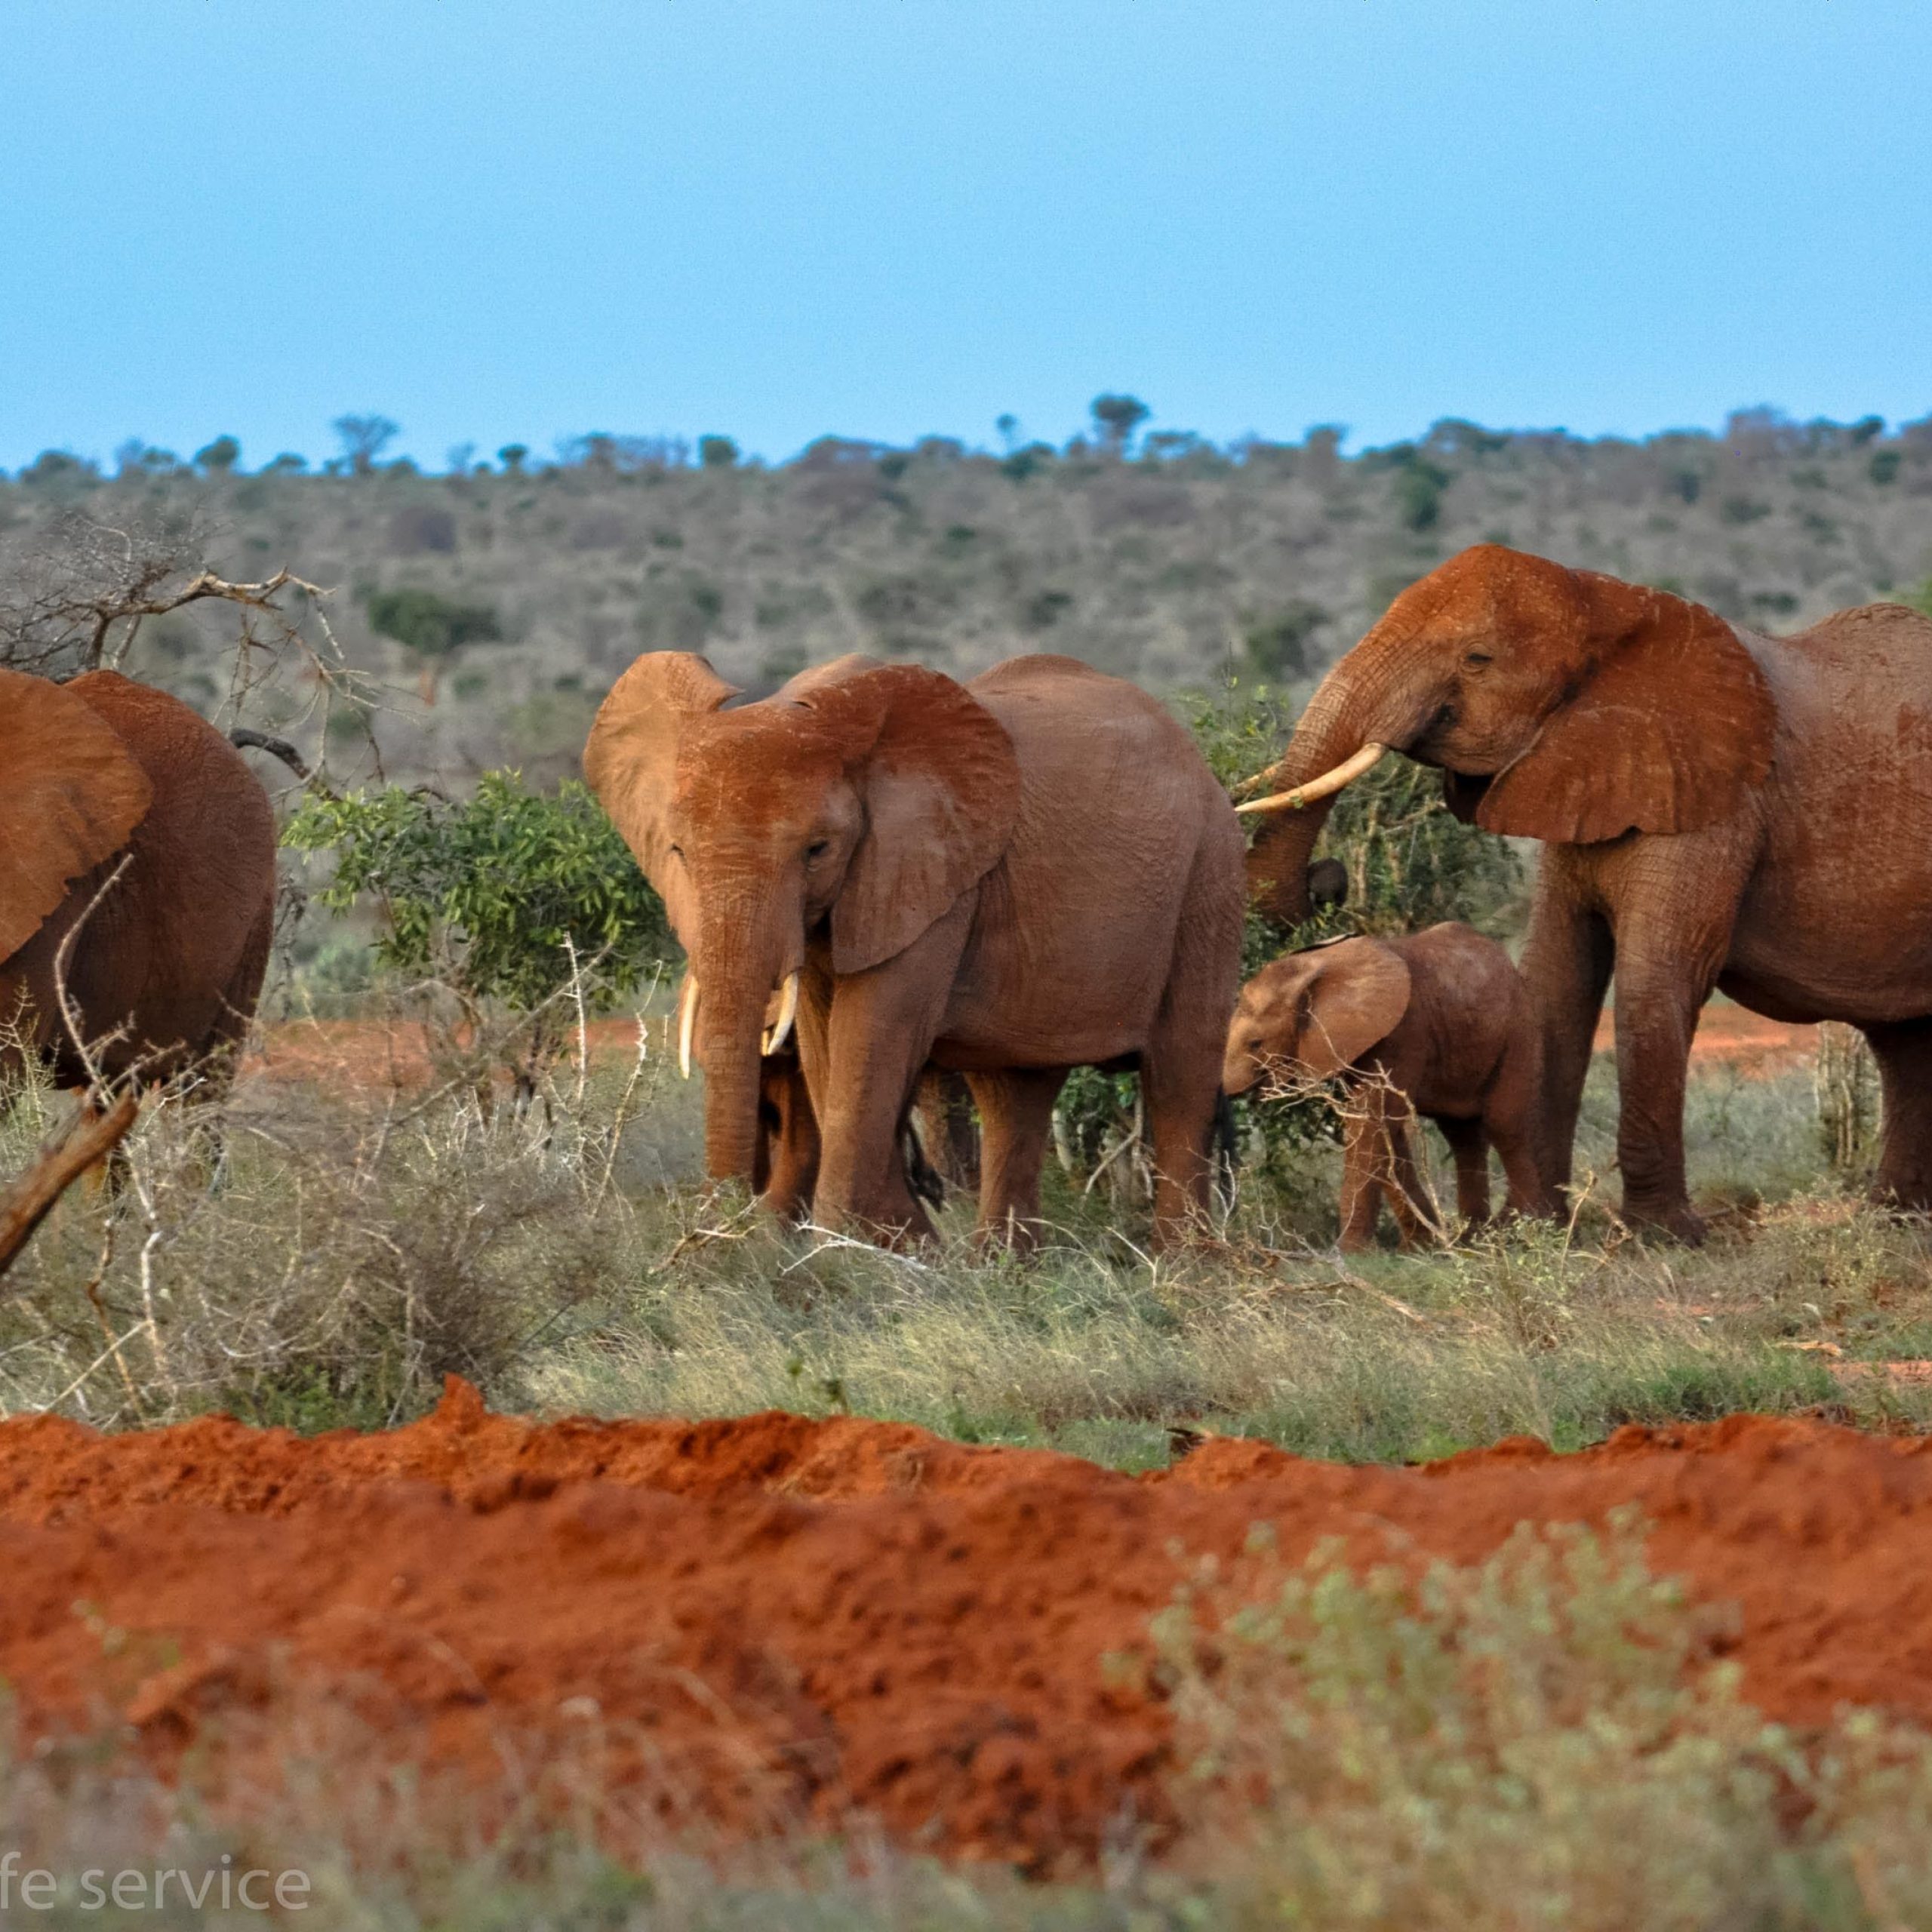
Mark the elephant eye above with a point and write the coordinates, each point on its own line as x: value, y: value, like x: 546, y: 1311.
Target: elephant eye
x: 677, y: 851
x: 818, y: 848
x: 1478, y: 658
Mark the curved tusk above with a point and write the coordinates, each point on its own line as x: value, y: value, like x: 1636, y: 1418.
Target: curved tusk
x: 687, y: 1023
x: 777, y: 1034
x: 1330, y: 783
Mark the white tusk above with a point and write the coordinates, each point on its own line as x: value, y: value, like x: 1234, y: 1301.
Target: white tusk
x: 687, y: 1023
x: 777, y: 1034
x: 1325, y: 786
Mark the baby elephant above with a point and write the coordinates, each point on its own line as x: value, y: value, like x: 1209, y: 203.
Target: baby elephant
x: 1440, y: 1020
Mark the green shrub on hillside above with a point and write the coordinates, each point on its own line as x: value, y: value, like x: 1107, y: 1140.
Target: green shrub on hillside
x: 429, y: 626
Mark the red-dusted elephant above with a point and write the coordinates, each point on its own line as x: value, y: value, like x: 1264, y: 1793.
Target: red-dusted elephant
x: 1007, y: 879
x: 166, y: 967
x: 1718, y: 808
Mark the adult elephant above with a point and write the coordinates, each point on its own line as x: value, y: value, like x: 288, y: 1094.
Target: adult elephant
x: 1717, y: 808
x: 136, y: 872
x: 1008, y: 879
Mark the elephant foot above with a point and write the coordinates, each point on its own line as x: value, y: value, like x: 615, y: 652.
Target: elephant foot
x: 1681, y: 1223
x: 1907, y: 1202
x: 1903, y: 1182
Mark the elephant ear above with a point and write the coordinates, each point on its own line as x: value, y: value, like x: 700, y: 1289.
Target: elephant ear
x: 1355, y: 1002
x: 941, y: 787
x: 70, y: 793
x: 1667, y: 732
x: 630, y: 761
x: 835, y: 671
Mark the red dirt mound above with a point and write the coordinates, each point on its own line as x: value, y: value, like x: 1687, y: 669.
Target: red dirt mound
x: 794, y: 1619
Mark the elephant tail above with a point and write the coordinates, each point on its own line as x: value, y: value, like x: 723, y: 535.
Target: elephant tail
x: 1227, y: 1146
x: 245, y: 740
x: 921, y: 1176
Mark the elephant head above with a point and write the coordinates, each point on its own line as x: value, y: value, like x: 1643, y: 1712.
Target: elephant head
x: 71, y: 792
x: 1308, y: 1015
x: 860, y: 802
x: 1562, y: 705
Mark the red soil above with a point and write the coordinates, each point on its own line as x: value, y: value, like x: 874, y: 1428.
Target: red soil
x: 800, y: 1620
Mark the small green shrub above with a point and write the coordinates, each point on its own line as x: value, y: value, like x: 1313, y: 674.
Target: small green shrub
x: 429, y: 626
x: 1543, y: 1739
x: 499, y: 896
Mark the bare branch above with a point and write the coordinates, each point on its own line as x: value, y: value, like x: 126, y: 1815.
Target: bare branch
x: 88, y: 1137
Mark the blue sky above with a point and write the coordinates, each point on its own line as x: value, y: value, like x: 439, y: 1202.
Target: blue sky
x: 779, y: 218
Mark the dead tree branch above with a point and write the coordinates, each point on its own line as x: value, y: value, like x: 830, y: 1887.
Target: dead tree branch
x: 88, y: 1137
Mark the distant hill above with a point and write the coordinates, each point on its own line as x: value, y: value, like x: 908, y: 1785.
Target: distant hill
x: 1164, y: 561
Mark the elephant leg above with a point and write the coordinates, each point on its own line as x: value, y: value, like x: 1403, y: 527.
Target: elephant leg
x: 1408, y: 1202
x: 1515, y: 1148
x: 222, y: 1051
x: 1673, y: 902
x: 1016, y: 1116
x: 1566, y: 966
x: 1181, y: 1092
x: 1180, y: 1063
x: 1468, y: 1144
x: 1903, y: 1050
x: 878, y: 1038
x: 1509, y: 1115
x: 1657, y: 1002
x: 788, y: 1149
x: 946, y: 1129
x: 1361, y: 1178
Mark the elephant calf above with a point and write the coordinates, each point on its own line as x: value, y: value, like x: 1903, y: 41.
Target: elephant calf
x: 1440, y: 1021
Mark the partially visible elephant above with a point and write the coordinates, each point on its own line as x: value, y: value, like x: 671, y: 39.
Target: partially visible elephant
x: 166, y: 962
x: 1718, y: 809
x: 785, y: 1174
x: 936, y: 1144
x: 948, y: 1135
x: 1008, y: 879
x: 1439, y: 1022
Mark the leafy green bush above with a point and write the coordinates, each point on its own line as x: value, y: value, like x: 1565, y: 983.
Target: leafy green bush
x: 493, y: 895
x: 1418, y: 494
x: 1410, y: 861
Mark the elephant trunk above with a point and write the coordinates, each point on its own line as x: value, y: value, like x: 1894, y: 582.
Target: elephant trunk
x: 1371, y: 698
x: 737, y: 967
x: 732, y: 1075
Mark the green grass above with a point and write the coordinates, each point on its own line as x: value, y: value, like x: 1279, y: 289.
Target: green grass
x: 356, y: 1248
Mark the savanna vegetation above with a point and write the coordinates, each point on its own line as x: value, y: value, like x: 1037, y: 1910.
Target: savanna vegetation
x: 502, y: 597
x: 521, y: 1203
